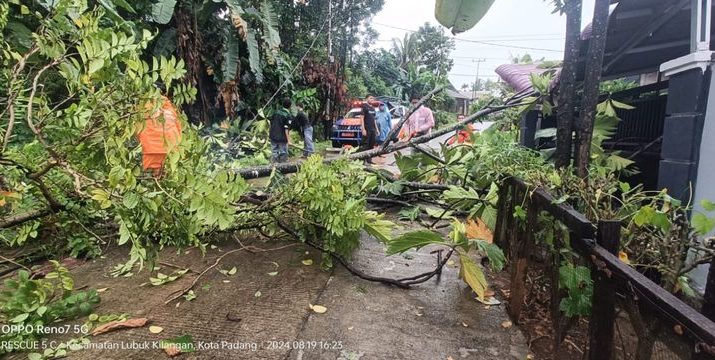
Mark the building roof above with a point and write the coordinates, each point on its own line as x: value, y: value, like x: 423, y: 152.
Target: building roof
x: 518, y: 76
x: 464, y: 95
x: 643, y: 34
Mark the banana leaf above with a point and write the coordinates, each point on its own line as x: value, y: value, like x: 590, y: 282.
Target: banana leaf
x: 461, y: 15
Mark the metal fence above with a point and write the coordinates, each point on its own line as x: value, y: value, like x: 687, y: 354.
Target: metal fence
x: 631, y: 316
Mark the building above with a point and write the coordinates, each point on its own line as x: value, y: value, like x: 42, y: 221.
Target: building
x: 463, y: 99
x: 667, y: 46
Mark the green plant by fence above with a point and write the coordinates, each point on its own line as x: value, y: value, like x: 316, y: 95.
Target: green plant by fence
x: 615, y: 284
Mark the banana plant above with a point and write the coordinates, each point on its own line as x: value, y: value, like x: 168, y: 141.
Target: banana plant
x: 461, y: 15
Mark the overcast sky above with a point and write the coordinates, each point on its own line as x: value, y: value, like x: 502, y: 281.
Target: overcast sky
x: 510, y: 24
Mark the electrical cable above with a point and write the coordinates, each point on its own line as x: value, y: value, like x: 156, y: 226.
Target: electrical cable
x: 315, y: 38
x: 477, y: 41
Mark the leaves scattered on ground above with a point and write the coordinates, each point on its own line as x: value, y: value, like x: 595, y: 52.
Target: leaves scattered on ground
x: 229, y: 272
x: 117, y: 325
x: 318, y: 308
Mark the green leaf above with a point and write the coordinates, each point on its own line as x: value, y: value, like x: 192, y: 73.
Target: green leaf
x: 111, y: 9
x: 410, y: 214
x: 229, y: 66
x: 271, y: 24
x: 415, y: 239
x: 20, y: 318
x: 473, y: 275
x: 380, y: 229
x: 618, y: 163
x: 229, y: 272
x: 661, y: 221
x: 124, y: 5
x: 620, y: 105
x: 573, y: 277
x: 162, y: 279
x: 703, y: 224
x: 488, y: 214
x: 130, y: 200
x: 494, y: 254
x: 461, y: 15
x: 162, y: 11
x: 684, y: 283
x: 707, y: 205
x: 254, y: 55
x: 644, y: 216
x: 438, y: 213
x: 625, y: 187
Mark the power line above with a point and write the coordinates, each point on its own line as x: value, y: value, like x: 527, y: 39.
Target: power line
x: 472, y: 75
x: 500, y: 61
x: 477, y: 41
x: 497, y: 37
x: 504, y: 40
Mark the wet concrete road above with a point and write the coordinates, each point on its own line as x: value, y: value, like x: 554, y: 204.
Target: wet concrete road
x: 439, y: 319
x: 262, y: 311
x: 257, y: 314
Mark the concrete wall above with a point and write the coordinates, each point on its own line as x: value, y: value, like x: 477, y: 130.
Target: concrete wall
x: 706, y: 174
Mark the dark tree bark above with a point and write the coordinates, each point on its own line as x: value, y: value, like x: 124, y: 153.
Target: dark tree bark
x: 592, y: 79
x: 190, y: 48
x: 566, y: 97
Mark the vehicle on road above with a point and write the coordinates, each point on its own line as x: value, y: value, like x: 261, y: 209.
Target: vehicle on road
x: 348, y: 130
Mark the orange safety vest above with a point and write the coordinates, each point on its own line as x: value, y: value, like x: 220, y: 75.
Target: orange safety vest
x: 160, y: 135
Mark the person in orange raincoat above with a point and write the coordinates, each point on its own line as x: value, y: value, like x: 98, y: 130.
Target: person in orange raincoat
x: 160, y: 135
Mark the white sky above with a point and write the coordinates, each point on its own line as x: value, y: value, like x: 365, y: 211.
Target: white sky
x: 510, y: 23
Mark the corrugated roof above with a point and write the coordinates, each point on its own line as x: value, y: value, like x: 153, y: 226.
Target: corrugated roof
x: 518, y: 76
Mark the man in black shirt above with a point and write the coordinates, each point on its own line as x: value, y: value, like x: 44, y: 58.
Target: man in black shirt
x: 279, y: 132
x: 369, y: 126
x: 306, y: 129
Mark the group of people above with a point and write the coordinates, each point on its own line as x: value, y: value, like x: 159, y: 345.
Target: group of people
x: 282, y: 123
x: 376, y: 126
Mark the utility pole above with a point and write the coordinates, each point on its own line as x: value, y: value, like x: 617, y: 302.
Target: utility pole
x: 330, y: 53
x: 476, y: 83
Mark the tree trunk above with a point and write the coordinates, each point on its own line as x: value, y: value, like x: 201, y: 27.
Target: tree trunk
x: 566, y: 97
x: 190, y: 49
x: 592, y: 79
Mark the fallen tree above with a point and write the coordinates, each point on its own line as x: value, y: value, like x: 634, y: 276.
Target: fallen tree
x: 287, y: 168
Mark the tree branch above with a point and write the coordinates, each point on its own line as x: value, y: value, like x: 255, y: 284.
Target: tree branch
x: 396, y: 129
x: 400, y: 283
x: 11, y: 221
x: 263, y: 171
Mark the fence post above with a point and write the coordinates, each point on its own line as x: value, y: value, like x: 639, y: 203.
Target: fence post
x: 708, y: 308
x: 603, y: 310
x: 709, y: 297
x: 524, y: 245
x: 499, y: 227
x: 509, y: 219
x: 556, y: 293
